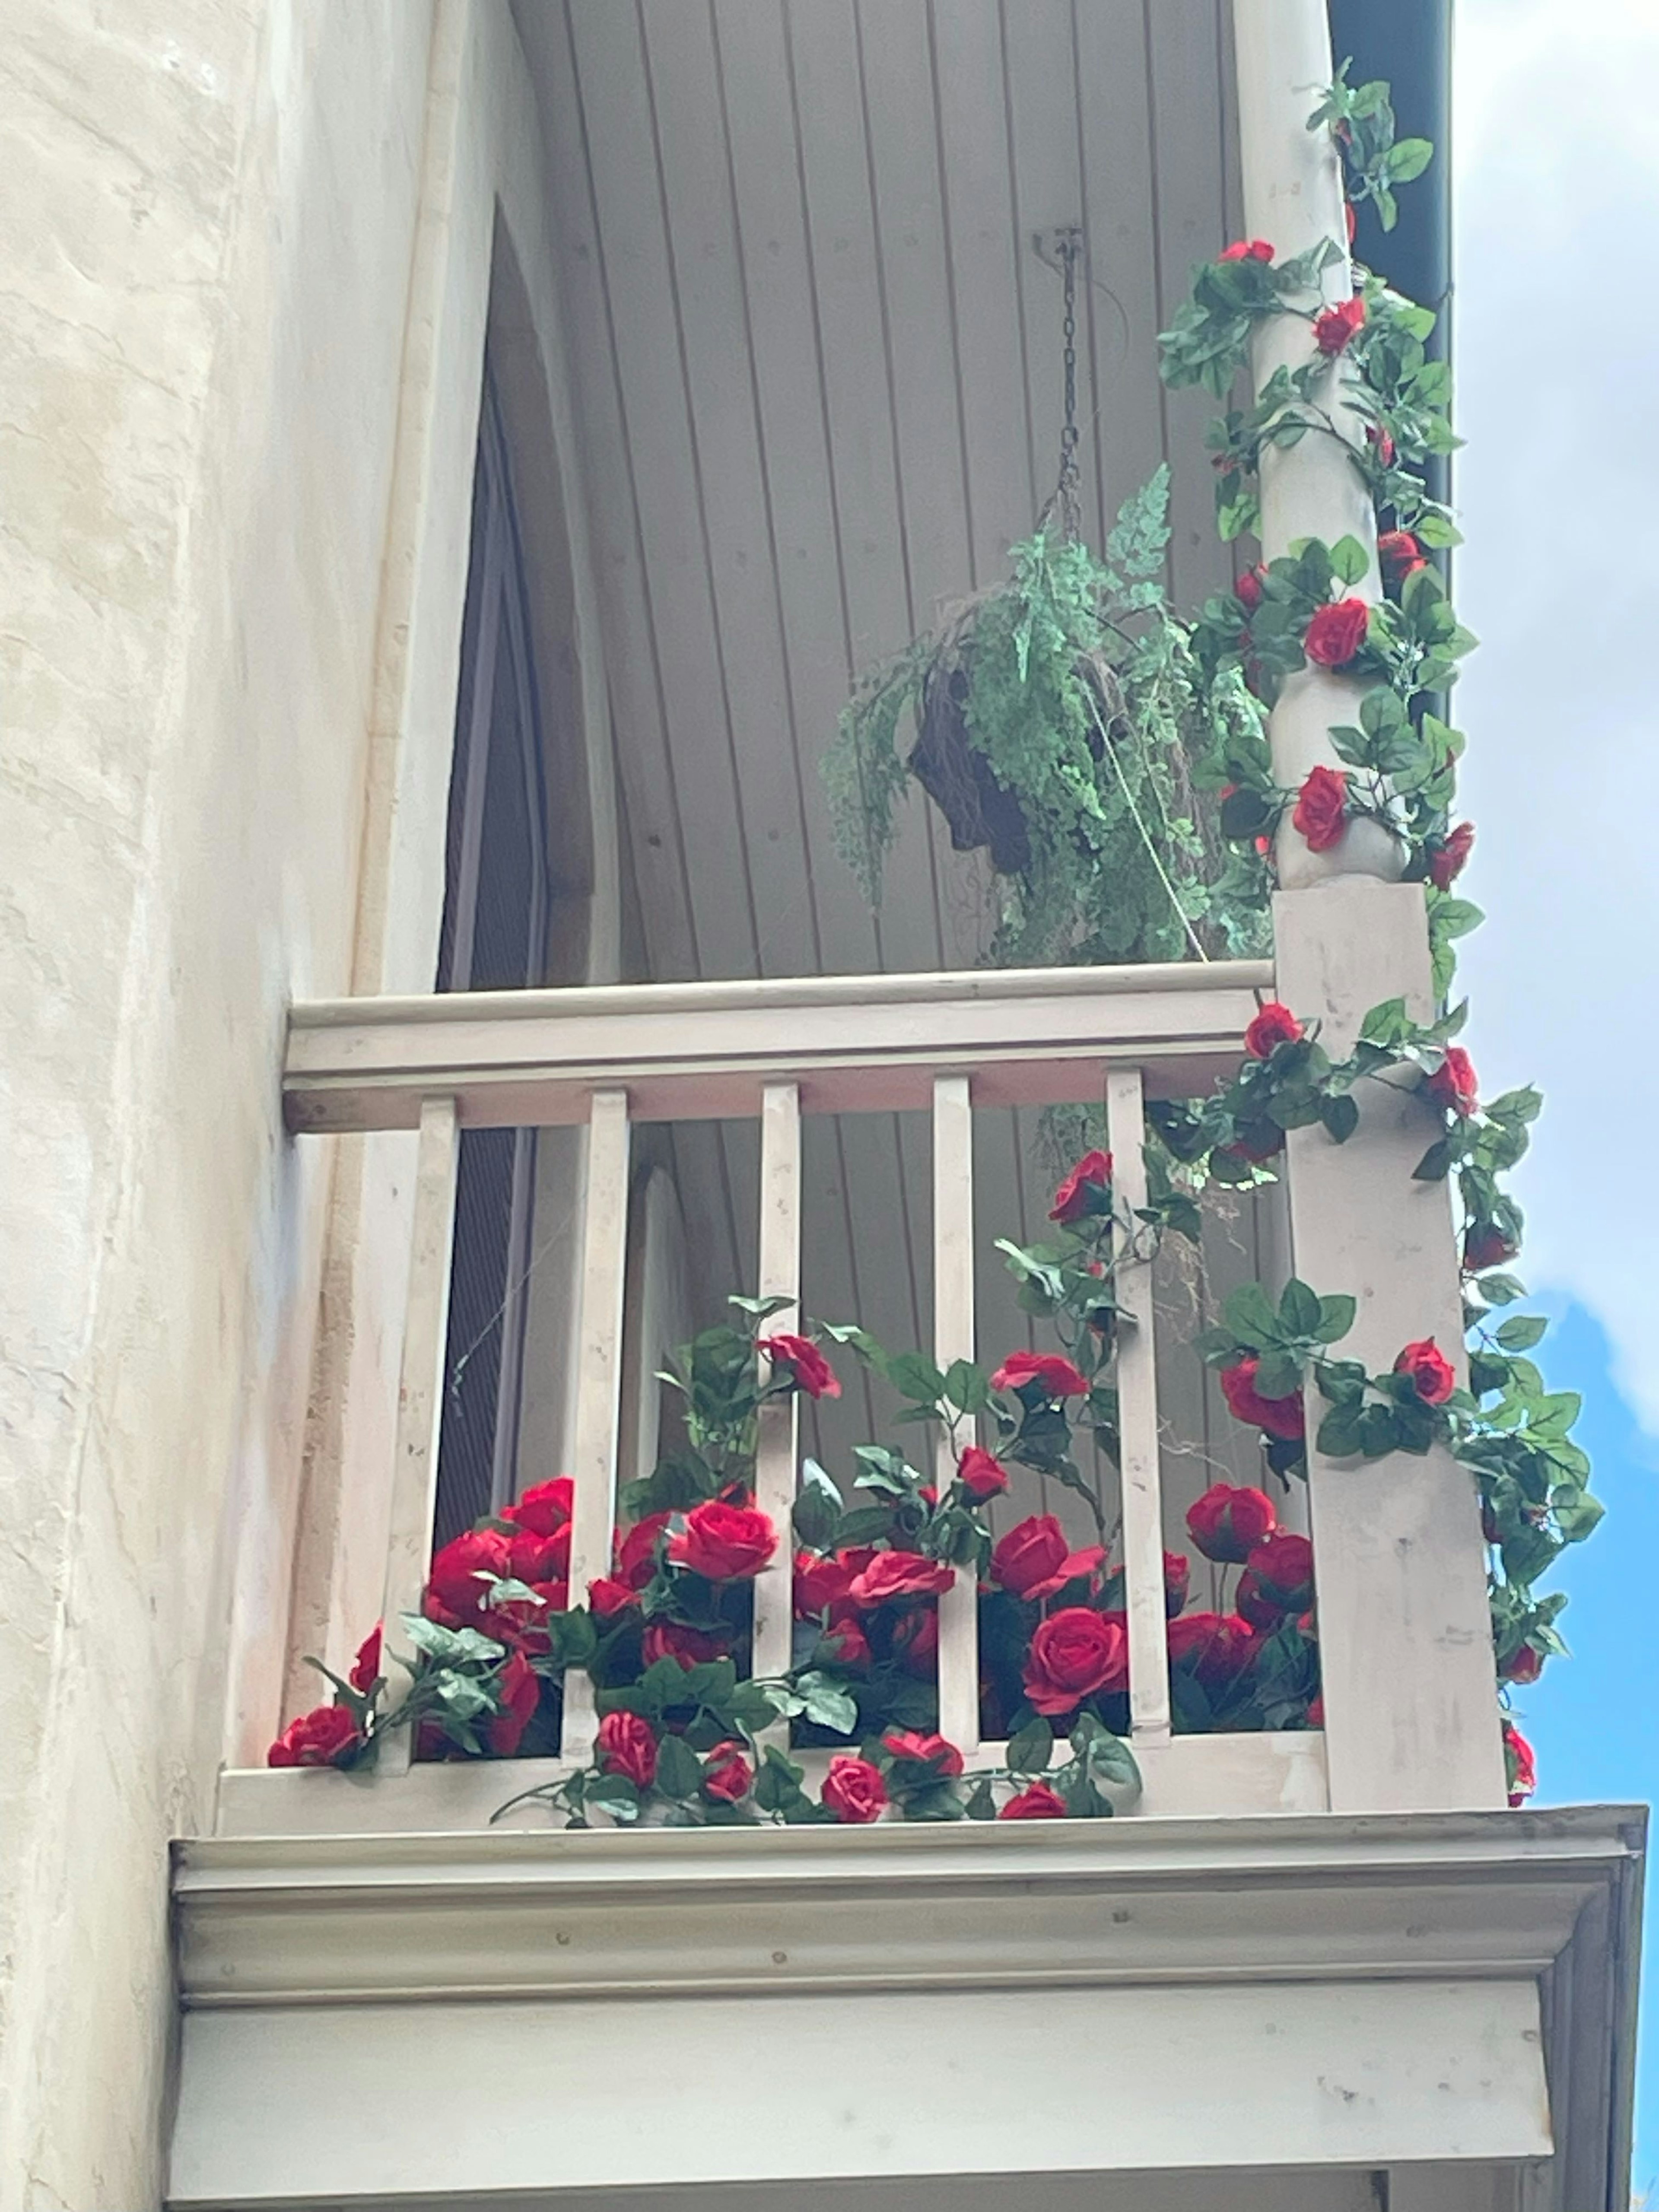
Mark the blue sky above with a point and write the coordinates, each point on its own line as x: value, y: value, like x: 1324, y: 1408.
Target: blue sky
x: 1555, y: 199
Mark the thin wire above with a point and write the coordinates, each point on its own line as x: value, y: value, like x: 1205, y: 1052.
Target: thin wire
x: 1192, y: 937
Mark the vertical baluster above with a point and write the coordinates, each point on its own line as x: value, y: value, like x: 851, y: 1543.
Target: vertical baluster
x: 1137, y: 1388
x: 419, y: 1398
x: 953, y: 1339
x: 777, y: 1449
x: 598, y: 1382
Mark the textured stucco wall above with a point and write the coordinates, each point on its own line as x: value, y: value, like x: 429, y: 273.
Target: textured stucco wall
x: 208, y: 209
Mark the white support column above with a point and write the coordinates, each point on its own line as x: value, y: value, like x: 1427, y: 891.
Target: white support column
x: 953, y: 1339
x: 598, y: 1382
x: 776, y: 1454
x: 1139, y: 1462
x: 420, y: 1403
x: 1293, y: 198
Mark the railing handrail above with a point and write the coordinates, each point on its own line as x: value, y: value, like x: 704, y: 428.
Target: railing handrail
x: 688, y: 1051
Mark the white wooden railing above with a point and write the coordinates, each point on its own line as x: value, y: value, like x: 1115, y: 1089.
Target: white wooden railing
x: 611, y: 1057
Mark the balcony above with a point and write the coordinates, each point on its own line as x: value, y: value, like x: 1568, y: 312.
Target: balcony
x: 1386, y: 1981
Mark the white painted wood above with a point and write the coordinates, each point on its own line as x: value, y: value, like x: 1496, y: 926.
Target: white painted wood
x: 1405, y: 1634
x: 598, y: 1381
x: 778, y: 1449
x: 420, y: 1401
x: 1293, y: 198
x: 1137, y: 1389
x: 953, y: 1339
x: 685, y: 1051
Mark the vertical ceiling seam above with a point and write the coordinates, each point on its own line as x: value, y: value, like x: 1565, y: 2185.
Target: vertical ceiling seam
x: 1015, y: 220
x: 950, y: 288
x: 1157, y: 252
x: 1095, y: 374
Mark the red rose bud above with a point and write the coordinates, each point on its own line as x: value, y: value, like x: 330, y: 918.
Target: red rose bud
x: 819, y: 1581
x: 1283, y: 1566
x: 1226, y: 1523
x: 1429, y: 1370
x: 923, y: 1750
x: 1247, y: 589
x: 1045, y: 1371
x: 1378, y: 436
x: 1177, y: 1575
x: 1449, y: 858
x: 636, y: 1554
x: 544, y: 1509
x: 800, y: 1357
x: 1335, y: 633
x: 1334, y: 329
x: 900, y: 1574
x: 854, y: 1791
x: 318, y: 1738
x: 460, y: 1574
x: 1086, y: 1190
x: 1273, y: 1025
x: 1519, y: 1763
x: 1454, y: 1084
x: 1032, y: 1560
x: 1074, y: 1652
x: 532, y: 1559
x: 915, y: 1642
x: 673, y: 1639
x: 1317, y: 1712
x: 1401, y: 555
x: 726, y: 1773
x: 1279, y: 1417
x: 980, y: 1474
x: 1348, y: 219
x: 724, y: 1543
x: 1036, y: 1802
x: 1257, y: 1606
x: 845, y: 1644
x: 1215, y: 1647
x: 607, y: 1597
x: 519, y: 1687
x: 1247, y: 249
x: 1321, y: 813
x: 627, y: 1745
x: 1486, y: 1247
x: 366, y: 1667
x: 1524, y: 1666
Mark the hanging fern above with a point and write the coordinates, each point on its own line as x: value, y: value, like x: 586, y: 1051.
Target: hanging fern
x: 1062, y: 720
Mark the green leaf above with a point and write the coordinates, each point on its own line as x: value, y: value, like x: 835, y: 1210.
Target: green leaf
x: 1299, y: 1308
x: 967, y: 1387
x: 1340, y: 1116
x: 1501, y: 1290
x: 1248, y: 1314
x: 1522, y: 1331
x: 1336, y: 1318
x: 1407, y: 159
x: 1434, y: 1164
x: 1029, y: 1752
x: 614, y: 1794
x: 828, y: 1703
x: 1349, y: 560
x: 678, y: 1773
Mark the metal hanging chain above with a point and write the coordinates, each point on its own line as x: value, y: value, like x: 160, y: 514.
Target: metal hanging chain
x: 1067, y: 246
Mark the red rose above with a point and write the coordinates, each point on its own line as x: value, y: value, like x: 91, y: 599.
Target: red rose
x: 461, y: 1575
x: 1074, y: 1653
x: 799, y: 1356
x: 820, y: 1579
x: 1246, y: 249
x: 979, y: 1475
x: 1376, y: 435
x: 1429, y: 1370
x: 1032, y: 1560
x: 845, y: 1644
x: 1247, y: 590
x: 1282, y: 1566
x: 1484, y: 1247
x: 1279, y: 1417
x: 1036, y: 1802
x: 1226, y: 1523
x: 1273, y: 1025
x: 518, y: 1688
x: 1043, y: 1370
x: 607, y: 1597
x: 923, y: 1750
x: 546, y: 1509
x: 1178, y: 1574
x: 1454, y: 1084
x: 1218, y: 1646
x: 726, y: 1773
x: 900, y: 1574
x: 534, y: 1559
x: 316, y: 1739
x: 674, y: 1639
x: 636, y: 1554
x: 1320, y: 809
x: 366, y: 1667
x: 1519, y: 1763
x: 915, y: 1641
x: 1400, y: 554
x: 1337, y: 325
x: 854, y: 1791
x: 1317, y: 1712
x: 724, y: 1543
x: 627, y: 1746
x: 1449, y: 859
x: 1335, y: 633
x: 1085, y: 1191
x: 1255, y: 1605
x: 1524, y: 1665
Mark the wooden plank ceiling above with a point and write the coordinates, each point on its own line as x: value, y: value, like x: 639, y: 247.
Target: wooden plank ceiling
x: 818, y: 368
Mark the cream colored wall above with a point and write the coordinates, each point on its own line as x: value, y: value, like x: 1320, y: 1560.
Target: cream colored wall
x: 237, y: 407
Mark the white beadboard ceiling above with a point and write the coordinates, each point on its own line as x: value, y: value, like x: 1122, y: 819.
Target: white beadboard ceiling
x: 817, y: 365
